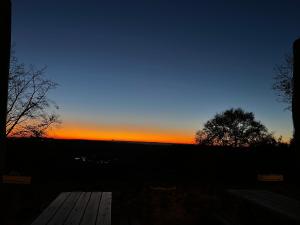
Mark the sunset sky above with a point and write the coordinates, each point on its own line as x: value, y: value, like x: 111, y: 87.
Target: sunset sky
x: 157, y: 70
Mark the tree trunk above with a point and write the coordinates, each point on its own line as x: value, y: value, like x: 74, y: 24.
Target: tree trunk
x: 296, y: 75
x: 5, y: 42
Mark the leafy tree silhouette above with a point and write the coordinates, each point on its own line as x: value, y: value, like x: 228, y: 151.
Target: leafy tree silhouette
x: 283, y: 81
x: 236, y: 128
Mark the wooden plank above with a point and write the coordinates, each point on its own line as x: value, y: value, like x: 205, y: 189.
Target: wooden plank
x: 10, y: 179
x: 78, y: 211
x: 50, y: 211
x: 271, y: 201
x: 270, y: 177
x: 62, y: 214
x: 104, y: 212
x: 91, y: 211
x: 285, y: 205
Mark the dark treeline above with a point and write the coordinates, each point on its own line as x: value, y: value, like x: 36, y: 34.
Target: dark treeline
x: 66, y: 160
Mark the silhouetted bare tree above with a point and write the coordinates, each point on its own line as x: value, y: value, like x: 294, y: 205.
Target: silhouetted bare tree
x: 29, y: 111
x: 283, y: 81
x: 236, y: 128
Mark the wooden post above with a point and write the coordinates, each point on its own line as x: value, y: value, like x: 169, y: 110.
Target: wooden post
x: 296, y: 75
x: 5, y: 44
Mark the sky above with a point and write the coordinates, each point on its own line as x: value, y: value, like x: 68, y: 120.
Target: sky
x: 157, y: 70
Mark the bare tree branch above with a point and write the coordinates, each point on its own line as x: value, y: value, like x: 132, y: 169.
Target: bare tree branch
x: 29, y: 112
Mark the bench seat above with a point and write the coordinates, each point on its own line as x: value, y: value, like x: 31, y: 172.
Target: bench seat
x: 260, y: 207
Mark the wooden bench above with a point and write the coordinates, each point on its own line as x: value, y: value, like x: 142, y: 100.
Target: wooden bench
x: 78, y: 208
x: 262, y: 207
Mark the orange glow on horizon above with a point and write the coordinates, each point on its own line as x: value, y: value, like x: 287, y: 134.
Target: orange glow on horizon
x: 120, y: 133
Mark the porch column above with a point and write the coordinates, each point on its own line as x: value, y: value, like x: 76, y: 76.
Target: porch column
x: 5, y: 42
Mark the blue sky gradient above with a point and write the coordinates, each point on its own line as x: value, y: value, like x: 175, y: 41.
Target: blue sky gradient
x: 171, y: 64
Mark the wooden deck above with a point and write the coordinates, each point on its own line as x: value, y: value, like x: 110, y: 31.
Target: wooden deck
x: 78, y: 208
